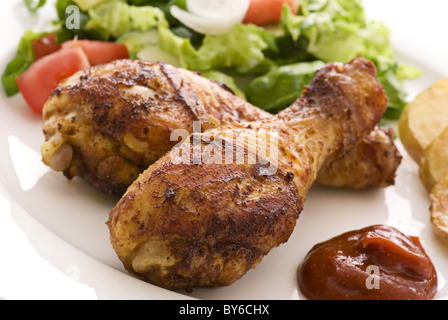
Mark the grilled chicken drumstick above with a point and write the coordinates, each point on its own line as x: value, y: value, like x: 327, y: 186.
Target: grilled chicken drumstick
x: 371, y: 163
x: 188, y: 222
x: 109, y: 123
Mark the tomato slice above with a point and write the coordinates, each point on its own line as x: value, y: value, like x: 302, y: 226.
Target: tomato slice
x: 262, y: 12
x: 99, y: 52
x: 44, y: 75
x: 45, y: 46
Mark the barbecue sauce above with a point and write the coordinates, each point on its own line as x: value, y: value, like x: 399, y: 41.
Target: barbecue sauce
x: 375, y: 263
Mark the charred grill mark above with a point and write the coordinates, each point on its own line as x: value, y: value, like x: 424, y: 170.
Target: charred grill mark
x: 192, y: 110
x: 225, y: 87
x: 190, y: 102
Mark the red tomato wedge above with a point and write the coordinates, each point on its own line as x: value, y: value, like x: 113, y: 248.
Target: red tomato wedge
x: 44, y: 75
x: 100, y: 52
x: 262, y: 12
x: 45, y: 46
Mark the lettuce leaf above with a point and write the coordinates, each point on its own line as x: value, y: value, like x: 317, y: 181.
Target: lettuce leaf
x: 112, y: 19
x: 21, y: 62
x: 240, y: 51
x: 341, y: 43
x: 282, y: 85
x: 331, y: 27
x: 338, y: 31
x: 85, y: 5
x: 391, y: 75
x: 175, y: 45
x: 163, y: 5
x: 267, y: 65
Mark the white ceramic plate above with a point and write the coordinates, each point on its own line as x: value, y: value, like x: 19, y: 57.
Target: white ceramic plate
x: 53, y: 237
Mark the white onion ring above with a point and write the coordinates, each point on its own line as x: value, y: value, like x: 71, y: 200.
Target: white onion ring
x: 212, y: 16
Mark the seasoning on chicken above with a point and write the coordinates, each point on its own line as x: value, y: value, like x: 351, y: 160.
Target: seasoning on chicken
x: 188, y: 223
x: 372, y: 163
x: 108, y: 123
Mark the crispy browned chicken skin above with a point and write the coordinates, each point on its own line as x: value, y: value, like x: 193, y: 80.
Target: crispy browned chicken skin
x: 109, y: 123
x: 186, y: 223
x: 371, y: 163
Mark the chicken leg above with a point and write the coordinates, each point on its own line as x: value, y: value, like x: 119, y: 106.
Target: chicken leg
x: 190, y: 222
x: 108, y: 123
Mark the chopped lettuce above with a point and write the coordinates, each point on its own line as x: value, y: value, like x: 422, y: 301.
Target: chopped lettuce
x: 240, y: 51
x: 14, y: 69
x: 274, y: 61
x: 331, y: 31
x: 340, y: 43
x: 175, y: 45
x: 112, y: 19
x: 88, y: 4
x: 391, y: 74
x: 282, y: 85
x: 23, y: 59
x: 337, y: 30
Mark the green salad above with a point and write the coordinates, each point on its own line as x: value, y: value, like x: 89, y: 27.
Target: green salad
x: 268, y: 65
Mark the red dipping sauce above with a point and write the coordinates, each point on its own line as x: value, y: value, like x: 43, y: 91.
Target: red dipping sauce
x: 375, y: 263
